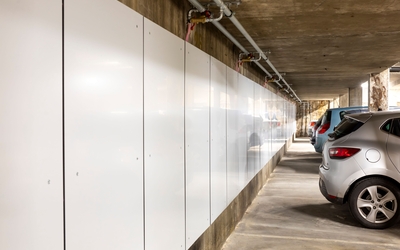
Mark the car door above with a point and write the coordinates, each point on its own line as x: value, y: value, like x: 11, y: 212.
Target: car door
x: 393, y: 143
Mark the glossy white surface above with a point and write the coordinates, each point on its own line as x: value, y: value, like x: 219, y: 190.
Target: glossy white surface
x: 197, y: 116
x: 31, y: 179
x: 265, y: 149
x: 104, y: 148
x: 218, y: 138
x: 164, y: 138
x: 258, y: 125
x: 253, y: 147
x: 275, y: 130
x: 243, y: 144
x: 236, y: 138
x: 103, y: 125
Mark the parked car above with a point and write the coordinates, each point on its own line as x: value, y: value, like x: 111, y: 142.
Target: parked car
x: 361, y: 166
x: 314, y: 130
x: 311, y: 127
x: 330, y: 119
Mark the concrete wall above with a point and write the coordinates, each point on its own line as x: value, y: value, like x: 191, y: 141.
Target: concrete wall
x: 172, y: 15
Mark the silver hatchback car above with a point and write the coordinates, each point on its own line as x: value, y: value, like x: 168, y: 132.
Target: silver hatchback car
x: 361, y: 167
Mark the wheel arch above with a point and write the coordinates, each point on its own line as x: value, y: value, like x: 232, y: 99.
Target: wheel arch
x: 348, y: 191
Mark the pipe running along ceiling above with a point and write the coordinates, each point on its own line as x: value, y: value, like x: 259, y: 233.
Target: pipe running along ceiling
x: 228, y: 13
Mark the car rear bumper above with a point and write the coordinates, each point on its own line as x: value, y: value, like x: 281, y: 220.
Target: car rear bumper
x: 324, y: 192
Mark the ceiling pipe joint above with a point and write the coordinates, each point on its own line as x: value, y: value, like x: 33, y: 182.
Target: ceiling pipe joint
x: 205, y: 16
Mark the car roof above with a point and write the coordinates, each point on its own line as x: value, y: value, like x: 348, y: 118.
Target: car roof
x: 363, y: 117
x: 347, y: 108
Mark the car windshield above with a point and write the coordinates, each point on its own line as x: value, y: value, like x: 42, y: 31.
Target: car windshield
x: 345, y: 127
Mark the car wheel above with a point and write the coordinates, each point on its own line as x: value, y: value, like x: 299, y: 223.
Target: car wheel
x: 374, y: 202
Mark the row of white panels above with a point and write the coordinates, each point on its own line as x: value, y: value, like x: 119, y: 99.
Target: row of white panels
x: 118, y: 134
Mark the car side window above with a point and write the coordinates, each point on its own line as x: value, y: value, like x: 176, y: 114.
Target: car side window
x: 396, y: 127
x: 386, y: 126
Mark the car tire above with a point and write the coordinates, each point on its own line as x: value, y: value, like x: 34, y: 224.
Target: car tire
x: 374, y: 203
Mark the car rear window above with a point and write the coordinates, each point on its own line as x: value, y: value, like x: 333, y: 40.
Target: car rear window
x: 327, y: 117
x: 345, y: 127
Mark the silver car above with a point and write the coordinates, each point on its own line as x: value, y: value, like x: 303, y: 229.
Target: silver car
x: 360, y: 166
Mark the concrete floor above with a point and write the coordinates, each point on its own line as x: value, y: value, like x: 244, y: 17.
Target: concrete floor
x: 290, y: 213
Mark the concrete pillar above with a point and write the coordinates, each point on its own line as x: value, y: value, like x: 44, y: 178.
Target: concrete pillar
x: 355, y: 97
x: 307, y: 111
x: 394, y: 89
x: 344, y: 100
x: 334, y: 103
x: 378, y: 91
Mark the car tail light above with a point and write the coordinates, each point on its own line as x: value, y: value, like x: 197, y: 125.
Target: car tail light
x: 312, y: 124
x: 324, y: 128
x: 342, y: 153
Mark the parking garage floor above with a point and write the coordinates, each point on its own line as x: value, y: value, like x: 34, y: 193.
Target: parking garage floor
x: 290, y: 213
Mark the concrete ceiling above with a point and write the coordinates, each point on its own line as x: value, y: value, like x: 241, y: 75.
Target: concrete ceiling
x: 323, y: 46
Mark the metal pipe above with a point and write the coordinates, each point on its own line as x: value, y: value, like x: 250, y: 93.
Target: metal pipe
x: 233, y: 19
x: 190, y: 13
x: 248, y: 59
x: 221, y: 15
x: 200, y: 7
x: 204, y: 19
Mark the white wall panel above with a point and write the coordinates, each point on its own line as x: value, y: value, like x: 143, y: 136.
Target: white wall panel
x: 31, y: 172
x: 197, y: 117
x: 275, y: 128
x: 218, y: 138
x: 103, y: 125
x: 246, y: 89
x: 266, y: 154
x: 258, y: 125
x: 236, y: 137
x: 243, y: 143
x: 281, y: 118
x: 164, y: 138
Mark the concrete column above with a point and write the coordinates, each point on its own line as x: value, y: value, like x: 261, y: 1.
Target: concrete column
x: 355, y: 97
x: 334, y: 103
x: 394, y: 89
x: 307, y: 111
x: 344, y: 100
x: 378, y: 91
